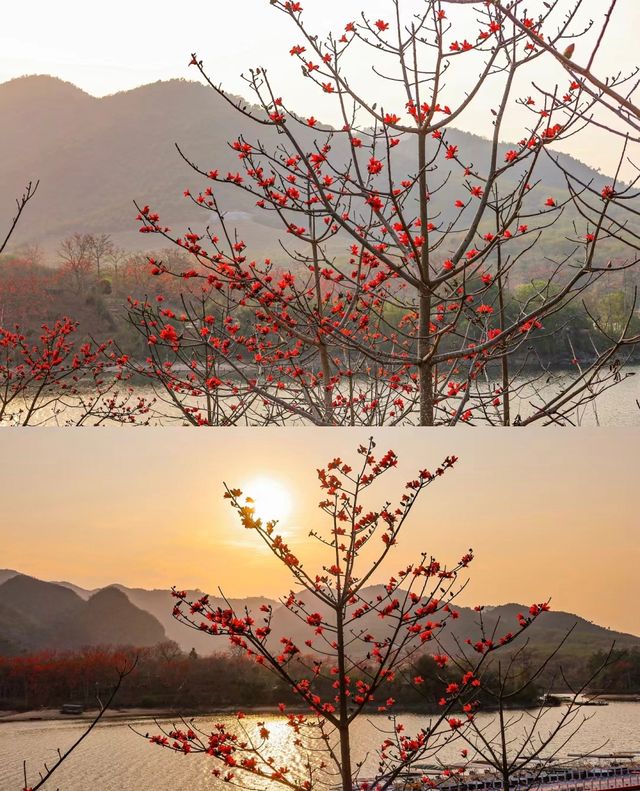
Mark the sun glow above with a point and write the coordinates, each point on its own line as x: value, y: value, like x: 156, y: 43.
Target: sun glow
x: 272, y: 500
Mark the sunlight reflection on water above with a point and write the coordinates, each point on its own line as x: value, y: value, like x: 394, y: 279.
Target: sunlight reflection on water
x: 114, y: 758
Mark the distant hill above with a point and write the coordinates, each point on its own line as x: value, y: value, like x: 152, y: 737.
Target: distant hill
x: 38, y: 614
x: 95, y: 156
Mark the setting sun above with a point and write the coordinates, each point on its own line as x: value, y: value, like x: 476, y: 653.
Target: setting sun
x: 272, y: 500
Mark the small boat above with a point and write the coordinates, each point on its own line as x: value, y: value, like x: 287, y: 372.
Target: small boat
x: 72, y: 708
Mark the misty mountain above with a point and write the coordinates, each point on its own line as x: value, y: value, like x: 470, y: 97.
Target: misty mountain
x: 36, y: 614
x: 39, y: 614
x: 547, y: 632
x: 156, y: 602
x: 6, y: 574
x: 94, y: 156
x: 160, y: 604
x: 83, y: 593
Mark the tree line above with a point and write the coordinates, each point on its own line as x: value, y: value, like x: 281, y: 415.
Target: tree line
x: 165, y: 677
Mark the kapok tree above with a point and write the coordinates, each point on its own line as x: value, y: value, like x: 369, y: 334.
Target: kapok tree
x: 192, y: 358
x: 406, y: 232
x: 353, y: 639
x: 520, y: 745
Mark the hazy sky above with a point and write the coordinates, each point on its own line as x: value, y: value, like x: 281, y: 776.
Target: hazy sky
x: 548, y: 513
x: 104, y: 48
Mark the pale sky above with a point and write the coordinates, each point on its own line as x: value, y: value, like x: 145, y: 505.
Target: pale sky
x: 548, y: 513
x: 108, y: 47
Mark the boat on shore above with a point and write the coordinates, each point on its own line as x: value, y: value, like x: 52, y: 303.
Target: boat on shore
x: 72, y: 708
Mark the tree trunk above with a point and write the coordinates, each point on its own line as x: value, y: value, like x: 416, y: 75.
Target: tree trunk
x: 506, y: 776
x: 343, y: 728
x: 326, y: 375
x: 425, y: 370
x: 345, y: 759
x: 504, y: 360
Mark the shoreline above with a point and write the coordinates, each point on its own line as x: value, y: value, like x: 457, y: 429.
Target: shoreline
x: 54, y: 715
x: 616, y: 697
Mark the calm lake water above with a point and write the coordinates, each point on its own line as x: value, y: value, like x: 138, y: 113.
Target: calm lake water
x: 617, y: 406
x: 114, y: 758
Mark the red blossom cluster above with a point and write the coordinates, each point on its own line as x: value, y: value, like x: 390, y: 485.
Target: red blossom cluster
x: 55, y: 373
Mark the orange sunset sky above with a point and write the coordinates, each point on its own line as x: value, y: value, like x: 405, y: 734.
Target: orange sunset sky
x: 548, y: 513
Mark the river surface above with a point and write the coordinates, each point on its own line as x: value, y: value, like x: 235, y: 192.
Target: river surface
x: 115, y: 758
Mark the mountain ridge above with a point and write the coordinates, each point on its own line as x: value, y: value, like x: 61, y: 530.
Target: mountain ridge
x: 158, y: 603
x: 95, y: 155
x: 35, y: 614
